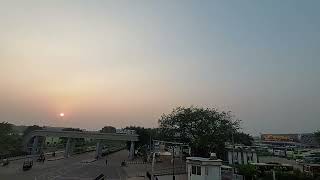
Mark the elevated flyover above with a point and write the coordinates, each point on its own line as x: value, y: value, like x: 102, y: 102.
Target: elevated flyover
x: 79, y: 134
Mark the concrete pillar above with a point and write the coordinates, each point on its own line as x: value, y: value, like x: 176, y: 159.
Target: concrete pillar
x: 131, y: 152
x: 245, y: 157
x: 254, y: 158
x: 230, y: 157
x: 239, y: 157
x: 35, y: 145
x: 98, y: 150
x: 68, y: 147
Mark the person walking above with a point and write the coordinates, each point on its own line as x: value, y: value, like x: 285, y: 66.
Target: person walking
x: 106, y: 161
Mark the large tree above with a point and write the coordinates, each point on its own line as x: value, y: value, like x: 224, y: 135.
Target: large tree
x: 30, y: 129
x: 205, y: 129
x: 145, y: 135
x: 108, y: 129
x: 243, y: 138
x: 10, y: 142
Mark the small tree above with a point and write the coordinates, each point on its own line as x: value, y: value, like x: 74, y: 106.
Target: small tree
x: 248, y: 170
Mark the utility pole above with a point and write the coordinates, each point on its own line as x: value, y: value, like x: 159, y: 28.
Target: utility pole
x: 152, y: 167
x: 173, y: 177
x: 232, y: 154
x: 150, y: 143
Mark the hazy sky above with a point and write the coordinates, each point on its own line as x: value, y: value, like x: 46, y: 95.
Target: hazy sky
x: 126, y: 62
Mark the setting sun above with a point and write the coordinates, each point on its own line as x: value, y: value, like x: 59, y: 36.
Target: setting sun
x: 61, y: 114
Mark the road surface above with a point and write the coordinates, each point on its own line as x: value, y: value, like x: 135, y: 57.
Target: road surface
x: 67, y: 169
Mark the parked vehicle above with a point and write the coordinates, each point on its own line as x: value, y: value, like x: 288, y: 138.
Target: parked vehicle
x: 5, y: 162
x: 27, y: 164
x: 41, y: 158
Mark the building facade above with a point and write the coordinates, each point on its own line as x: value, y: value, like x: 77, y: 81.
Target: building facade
x: 203, y: 168
x: 242, y: 156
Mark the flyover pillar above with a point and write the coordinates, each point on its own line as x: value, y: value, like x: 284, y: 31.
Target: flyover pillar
x: 131, y: 152
x: 35, y: 145
x: 98, y: 149
x: 68, y: 147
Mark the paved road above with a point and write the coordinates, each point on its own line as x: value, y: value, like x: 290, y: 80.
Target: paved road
x: 71, y: 168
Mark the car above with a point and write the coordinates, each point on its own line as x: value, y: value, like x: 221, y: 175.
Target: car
x: 5, y: 162
x: 27, y: 164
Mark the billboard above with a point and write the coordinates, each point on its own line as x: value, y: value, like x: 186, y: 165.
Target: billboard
x: 280, y: 137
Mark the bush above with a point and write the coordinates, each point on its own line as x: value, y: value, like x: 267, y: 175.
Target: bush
x: 248, y: 170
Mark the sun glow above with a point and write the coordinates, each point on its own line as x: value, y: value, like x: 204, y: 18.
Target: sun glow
x: 61, y: 114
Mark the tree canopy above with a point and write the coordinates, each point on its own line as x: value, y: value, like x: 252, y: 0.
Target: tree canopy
x: 72, y: 129
x: 10, y: 142
x: 108, y: 129
x: 317, y: 136
x: 243, y: 138
x: 205, y: 129
x: 145, y: 135
x: 30, y: 129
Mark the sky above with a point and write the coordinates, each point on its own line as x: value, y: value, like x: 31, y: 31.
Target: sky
x: 126, y: 63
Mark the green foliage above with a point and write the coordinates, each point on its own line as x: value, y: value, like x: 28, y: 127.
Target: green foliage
x: 243, y: 138
x: 145, y: 135
x: 317, y: 135
x: 10, y: 143
x: 30, y: 129
x: 295, y: 175
x: 108, y: 129
x: 206, y: 130
x: 5, y: 129
x: 282, y: 175
x: 248, y: 170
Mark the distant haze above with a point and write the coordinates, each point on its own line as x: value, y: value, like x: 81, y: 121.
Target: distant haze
x: 125, y: 63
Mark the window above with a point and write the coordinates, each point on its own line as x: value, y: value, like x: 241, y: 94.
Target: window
x: 196, y: 170
x: 199, y: 170
x: 193, y: 169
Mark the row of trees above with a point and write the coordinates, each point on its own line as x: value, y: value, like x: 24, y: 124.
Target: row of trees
x: 204, y: 129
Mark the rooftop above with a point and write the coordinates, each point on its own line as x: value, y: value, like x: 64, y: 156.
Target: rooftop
x: 203, y: 159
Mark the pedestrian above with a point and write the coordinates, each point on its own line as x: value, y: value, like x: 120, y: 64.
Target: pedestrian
x: 106, y: 161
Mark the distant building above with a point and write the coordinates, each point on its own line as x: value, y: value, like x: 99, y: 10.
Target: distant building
x: 166, y: 148
x: 125, y: 131
x: 198, y: 168
x: 241, y: 155
x: 303, y: 140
